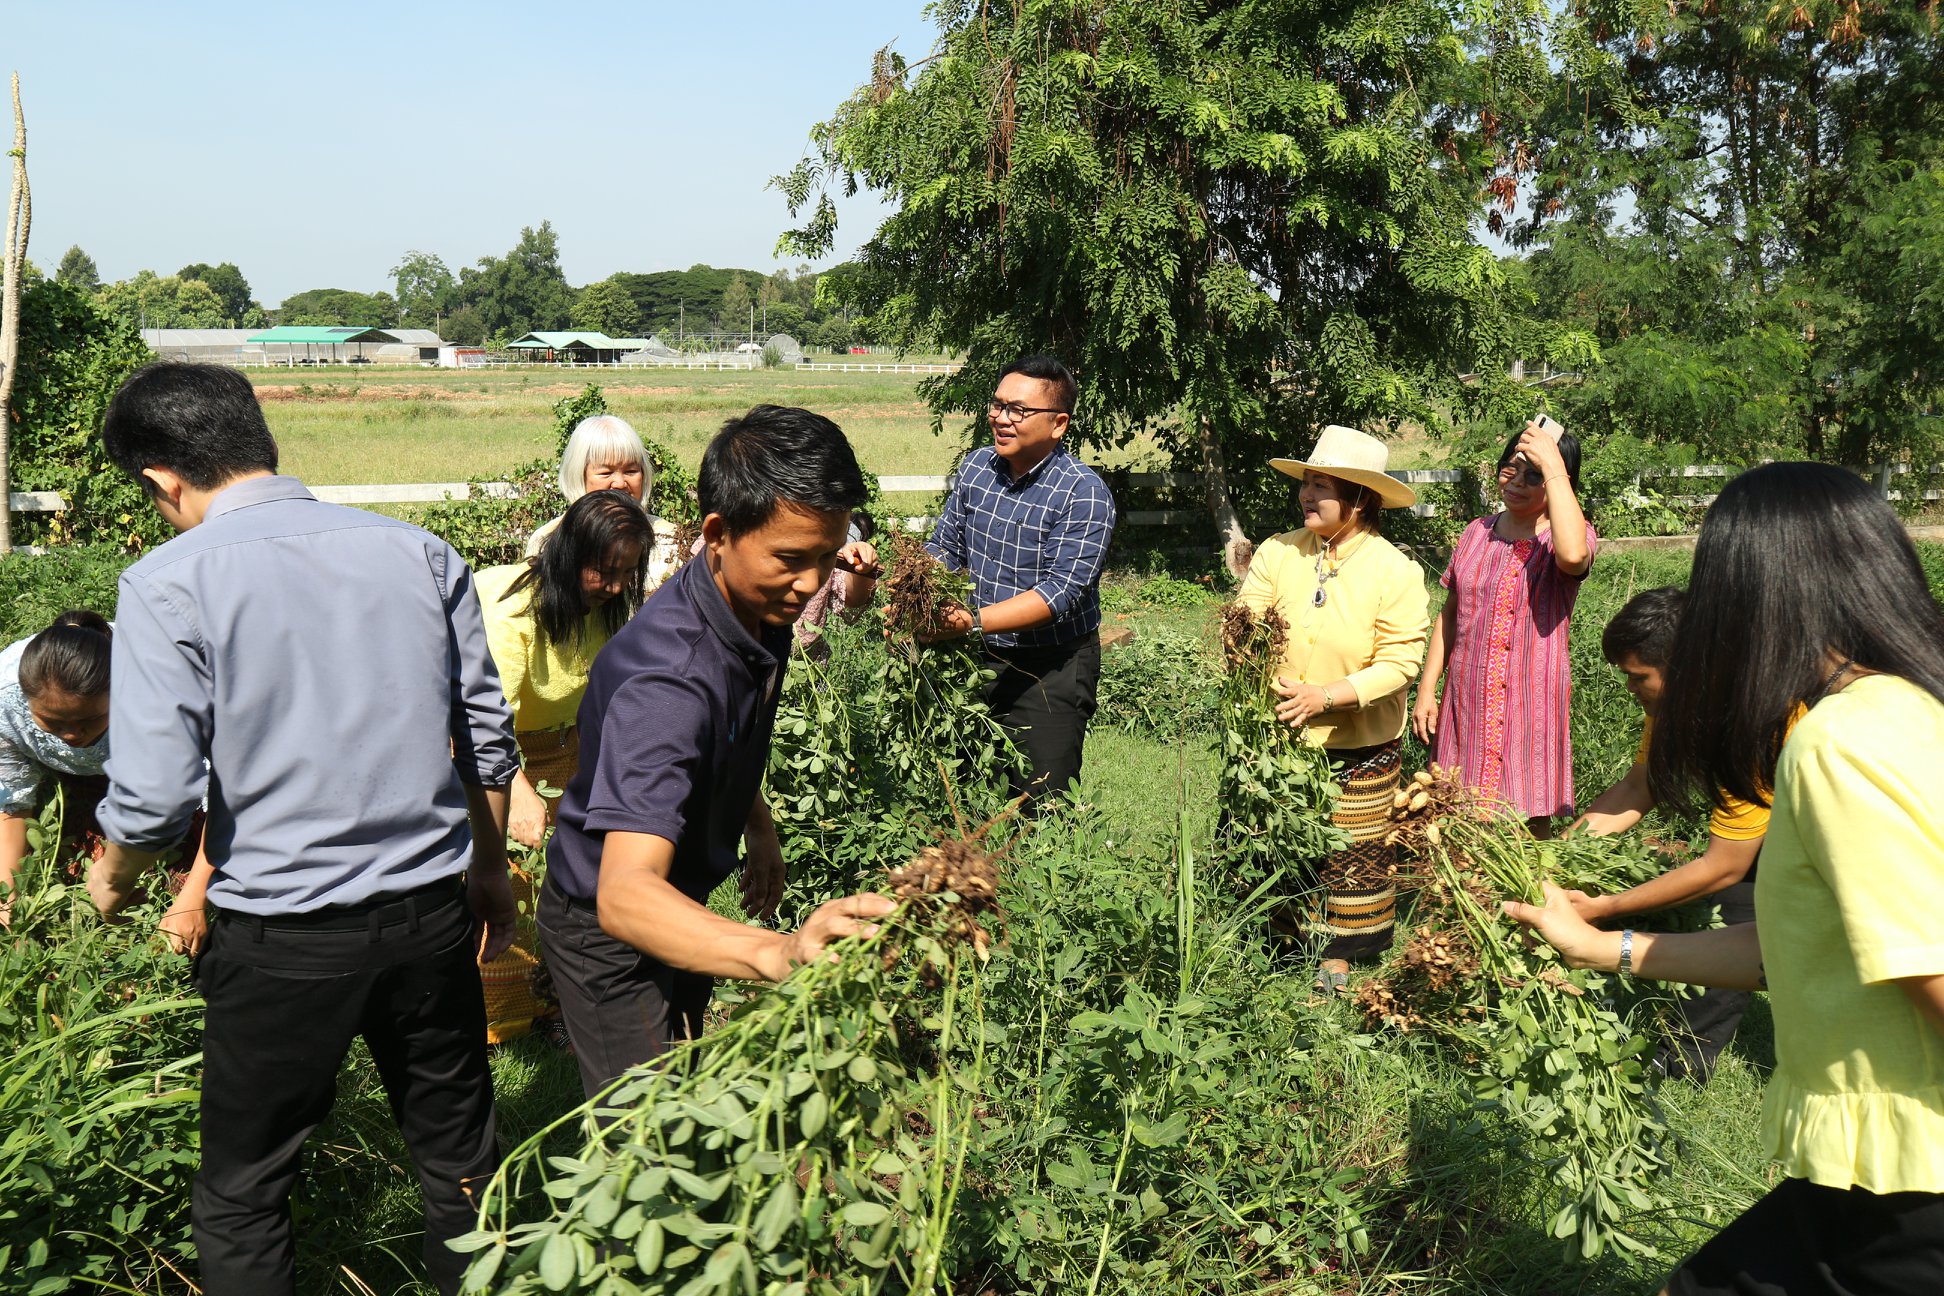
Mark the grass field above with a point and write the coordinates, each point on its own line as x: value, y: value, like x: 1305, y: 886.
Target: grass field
x: 428, y: 425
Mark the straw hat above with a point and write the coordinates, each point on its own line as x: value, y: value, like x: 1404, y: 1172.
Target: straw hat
x: 1355, y: 457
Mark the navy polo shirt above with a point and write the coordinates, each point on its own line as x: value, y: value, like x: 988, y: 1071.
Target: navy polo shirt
x: 674, y: 735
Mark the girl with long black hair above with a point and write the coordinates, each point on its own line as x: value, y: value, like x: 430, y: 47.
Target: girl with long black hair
x: 546, y: 618
x: 1807, y: 592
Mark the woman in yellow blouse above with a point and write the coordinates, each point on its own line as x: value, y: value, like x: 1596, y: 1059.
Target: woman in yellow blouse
x: 545, y: 620
x: 1806, y: 591
x: 1358, y: 617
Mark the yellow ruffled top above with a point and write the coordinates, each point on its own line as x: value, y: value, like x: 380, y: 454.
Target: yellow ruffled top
x: 543, y: 681
x: 1850, y: 897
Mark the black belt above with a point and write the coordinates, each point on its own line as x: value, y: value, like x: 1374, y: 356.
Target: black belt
x: 366, y: 915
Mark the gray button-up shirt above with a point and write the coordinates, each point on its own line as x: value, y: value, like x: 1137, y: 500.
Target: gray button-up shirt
x: 331, y: 666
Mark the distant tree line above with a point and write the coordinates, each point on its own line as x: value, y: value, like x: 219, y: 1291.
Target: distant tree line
x: 495, y: 300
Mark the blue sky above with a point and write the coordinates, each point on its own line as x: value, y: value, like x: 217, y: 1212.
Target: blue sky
x: 313, y: 145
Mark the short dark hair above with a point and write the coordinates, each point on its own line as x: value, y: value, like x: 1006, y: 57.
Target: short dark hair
x: 772, y: 454
x: 201, y: 422
x: 1795, y: 561
x: 1645, y: 628
x: 1569, y: 454
x: 72, y: 654
x: 593, y: 527
x: 1047, y: 369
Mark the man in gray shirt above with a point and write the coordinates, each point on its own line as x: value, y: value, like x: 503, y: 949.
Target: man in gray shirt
x: 331, y: 668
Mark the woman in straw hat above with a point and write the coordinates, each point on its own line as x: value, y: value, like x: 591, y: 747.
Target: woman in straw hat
x: 1513, y: 577
x: 1358, y: 616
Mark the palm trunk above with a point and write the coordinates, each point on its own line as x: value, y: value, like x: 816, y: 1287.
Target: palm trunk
x: 19, y: 216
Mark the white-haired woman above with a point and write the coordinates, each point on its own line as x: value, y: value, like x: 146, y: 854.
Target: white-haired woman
x: 605, y: 453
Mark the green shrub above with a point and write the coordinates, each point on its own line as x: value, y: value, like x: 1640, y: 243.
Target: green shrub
x: 73, y: 355
x: 1165, y: 682
x: 98, y: 1101
x: 35, y: 588
x: 492, y: 527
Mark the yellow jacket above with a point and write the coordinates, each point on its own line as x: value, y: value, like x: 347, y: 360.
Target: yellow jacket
x: 1371, y: 629
x: 543, y: 681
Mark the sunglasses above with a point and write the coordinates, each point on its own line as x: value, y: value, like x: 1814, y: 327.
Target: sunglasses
x: 1530, y: 476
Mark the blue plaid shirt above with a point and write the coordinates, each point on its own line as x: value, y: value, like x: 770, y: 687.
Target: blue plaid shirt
x: 1046, y: 532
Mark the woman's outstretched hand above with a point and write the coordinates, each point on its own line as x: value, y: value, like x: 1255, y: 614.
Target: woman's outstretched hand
x: 1559, y: 924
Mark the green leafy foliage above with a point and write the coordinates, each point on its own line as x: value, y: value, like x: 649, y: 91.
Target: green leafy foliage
x: 73, y: 356
x: 35, y: 588
x: 98, y: 1099
x: 1230, y: 224
x: 1550, y: 1050
x: 1737, y: 200
x: 878, y: 745
x: 809, y: 1144
x: 1276, y: 792
x: 1164, y: 682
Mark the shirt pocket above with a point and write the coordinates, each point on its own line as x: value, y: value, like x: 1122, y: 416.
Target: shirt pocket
x: 1020, y: 534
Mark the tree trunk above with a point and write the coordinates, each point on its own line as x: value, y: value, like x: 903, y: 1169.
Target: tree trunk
x: 1237, y: 548
x: 20, y: 212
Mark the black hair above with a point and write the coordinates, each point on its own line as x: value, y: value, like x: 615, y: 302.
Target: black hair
x: 595, y: 525
x: 1645, y: 628
x: 201, y: 422
x: 1569, y: 454
x: 72, y: 654
x: 772, y: 454
x: 1796, y: 561
x: 1047, y: 369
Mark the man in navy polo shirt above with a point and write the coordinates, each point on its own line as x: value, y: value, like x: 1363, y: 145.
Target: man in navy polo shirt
x: 675, y: 734
x: 1031, y: 523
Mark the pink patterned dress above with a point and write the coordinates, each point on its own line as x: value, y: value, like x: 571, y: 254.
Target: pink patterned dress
x: 1504, y: 718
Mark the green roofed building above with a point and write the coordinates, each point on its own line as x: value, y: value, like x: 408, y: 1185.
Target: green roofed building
x: 319, y: 344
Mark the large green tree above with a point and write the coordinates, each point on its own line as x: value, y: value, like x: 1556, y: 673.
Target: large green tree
x: 521, y: 291
x: 339, y: 306
x: 734, y: 310
x: 1740, y: 199
x: 424, y: 289
x: 1237, y: 221
x: 229, y: 285
x: 149, y: 300
x: 78, y: 270
x: 608, y: 308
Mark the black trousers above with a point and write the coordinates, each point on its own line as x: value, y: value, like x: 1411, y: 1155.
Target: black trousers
x: 1805, y: 1239
x: 286, y: 997
x: 621, y: 1007
x: 1711, y: 1017
x: 1044, y: 697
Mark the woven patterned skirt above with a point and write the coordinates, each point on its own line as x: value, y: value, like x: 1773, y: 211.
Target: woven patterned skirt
x: 516, y: 997
x: 1347, y: 906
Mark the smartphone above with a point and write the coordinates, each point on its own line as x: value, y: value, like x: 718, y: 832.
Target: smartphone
x: 1549, y: 427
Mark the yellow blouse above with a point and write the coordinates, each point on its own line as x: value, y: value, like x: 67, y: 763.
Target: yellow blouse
x: 1371, y: 629
x: 1851, y: 896
x: 543, y: 681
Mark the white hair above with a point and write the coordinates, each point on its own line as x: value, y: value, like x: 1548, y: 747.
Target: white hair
x: 602, y: 438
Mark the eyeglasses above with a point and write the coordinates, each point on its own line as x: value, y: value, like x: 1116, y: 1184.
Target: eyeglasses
x: 1010, y: 412
x: 1531, y: 476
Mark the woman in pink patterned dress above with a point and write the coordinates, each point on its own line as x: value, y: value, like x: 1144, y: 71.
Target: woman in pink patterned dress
x: 1513, y: 580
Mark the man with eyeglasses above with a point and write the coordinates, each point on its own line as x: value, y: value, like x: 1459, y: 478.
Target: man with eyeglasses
x: 1031, y: 523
